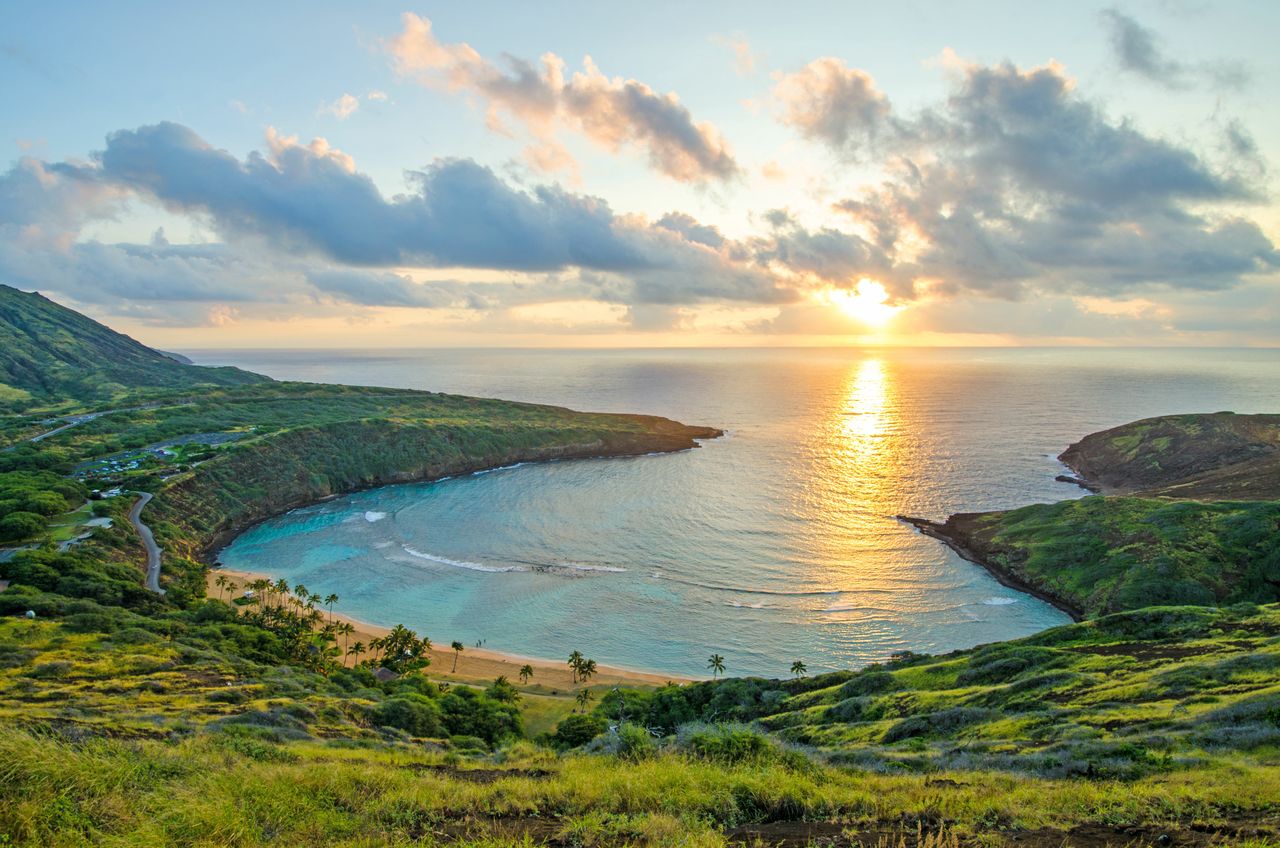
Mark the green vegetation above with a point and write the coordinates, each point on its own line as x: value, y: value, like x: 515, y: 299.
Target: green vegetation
x: 1103, y: 554
x: 134, y: 718
x: 1191, y: 515
x: 49, y: 353
x: 1159, y: 690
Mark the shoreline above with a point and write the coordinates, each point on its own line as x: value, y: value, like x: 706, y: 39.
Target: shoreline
x: 957, y: 543
x: 209, y: 552
x: 475, y: 665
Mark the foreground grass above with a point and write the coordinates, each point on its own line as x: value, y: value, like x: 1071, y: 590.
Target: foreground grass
x: 240, y: 791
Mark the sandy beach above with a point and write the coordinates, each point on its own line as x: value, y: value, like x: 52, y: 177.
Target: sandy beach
x: 475, y: 665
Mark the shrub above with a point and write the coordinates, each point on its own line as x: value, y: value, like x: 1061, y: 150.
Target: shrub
x: 941, y: 723
x: 576, y: 730
x: 50, y: 670
x: 869, y: 683
x: 410, y: 712
x: 727, y: 743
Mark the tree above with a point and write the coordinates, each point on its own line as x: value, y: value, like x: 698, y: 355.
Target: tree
x: 526, y: 671
x: 798, y: 668
x: 583, y: 698
x: 20, y: 525
x: 329, y: 601
x: 404, y: 651
x: 586, y: 670
x: 221, y: 582
x: 346, y: 628
x: 356, y: 649
x: 716, y: 664
x: 575, y: 663
x: 457, y: 652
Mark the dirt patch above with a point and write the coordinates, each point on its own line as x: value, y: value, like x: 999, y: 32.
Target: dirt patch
x: 793, y: 834
x: 522, y: 829
x: 478, y: 775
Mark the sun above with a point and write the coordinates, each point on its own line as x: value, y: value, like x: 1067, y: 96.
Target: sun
x: 866, y: 302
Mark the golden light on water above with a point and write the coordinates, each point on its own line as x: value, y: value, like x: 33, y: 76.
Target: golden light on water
x: 864, y: 408
x: 867, y: 302
x: 858, y: 462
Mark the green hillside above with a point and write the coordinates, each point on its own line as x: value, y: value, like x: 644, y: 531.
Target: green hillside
x: 49, y: 353
x: 133, y: 718
x: 1190, y: 515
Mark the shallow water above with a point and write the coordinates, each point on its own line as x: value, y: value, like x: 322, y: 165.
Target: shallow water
x: 772, y: 544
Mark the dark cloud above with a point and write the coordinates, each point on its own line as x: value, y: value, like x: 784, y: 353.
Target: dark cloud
x: 300, y: 222
x: 1018, y: 183
x: 459, y: 213
x: 691, y: 229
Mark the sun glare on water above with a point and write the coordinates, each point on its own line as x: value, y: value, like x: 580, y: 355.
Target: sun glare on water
x: 867, y: 302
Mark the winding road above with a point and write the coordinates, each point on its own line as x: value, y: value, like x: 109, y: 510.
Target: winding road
x: 149, y: 540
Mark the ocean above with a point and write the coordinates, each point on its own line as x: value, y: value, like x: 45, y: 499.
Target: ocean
x: 775, y: 543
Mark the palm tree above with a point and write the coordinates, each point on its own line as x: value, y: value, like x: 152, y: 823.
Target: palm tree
x: 221, y: 582
x: 282, y: 587
x: 798, y: 668
x: 575, y: 663
x: 329, y: 601
x: 261, y: 587
x: 583, y: 698
x: 346, y: 628
x: 356, y: 649
x: 716, y: 664
x: 586, y: 670
x: 526, y: 671
x: 457, y: 652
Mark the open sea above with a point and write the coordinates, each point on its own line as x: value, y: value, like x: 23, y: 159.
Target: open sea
x: 774, y: 543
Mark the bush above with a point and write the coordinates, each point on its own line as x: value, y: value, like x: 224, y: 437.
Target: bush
x: 20, y: 525
x: 869, y: 683
x: 941, y: 723
x: 727, y: 743
x: 410, y: 712
x: 575, y: 730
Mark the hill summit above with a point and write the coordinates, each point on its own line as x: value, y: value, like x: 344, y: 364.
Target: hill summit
x: 49, y: 353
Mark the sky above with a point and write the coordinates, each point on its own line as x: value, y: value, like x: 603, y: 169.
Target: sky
x: 238, y: 175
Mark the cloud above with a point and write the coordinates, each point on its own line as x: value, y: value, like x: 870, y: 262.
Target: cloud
x: 385, y: 289
x: 300, y: 221
x: 831, y: 103
x: 744, y: 59
x: 342, y: 108
x: 1016, y: 183
x: 1137, y: 50
x: 613, y: 112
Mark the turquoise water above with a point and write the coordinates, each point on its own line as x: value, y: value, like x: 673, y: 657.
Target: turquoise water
x: 772, y: 544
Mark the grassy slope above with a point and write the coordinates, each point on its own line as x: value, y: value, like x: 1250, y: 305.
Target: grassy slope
x: 1191, y: 515
x: 161, y: 742
x: 49, y: 353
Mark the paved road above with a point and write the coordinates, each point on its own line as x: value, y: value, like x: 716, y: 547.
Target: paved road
x: 73, y: 420
x: 153, y: 550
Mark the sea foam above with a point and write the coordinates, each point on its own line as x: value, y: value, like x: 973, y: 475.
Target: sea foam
x: 460, y: 563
